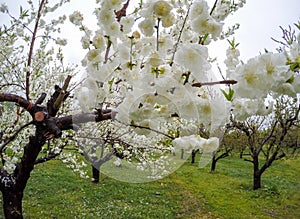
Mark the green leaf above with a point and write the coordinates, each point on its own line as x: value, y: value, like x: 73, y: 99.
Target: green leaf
x: 229, y: 95
x: 291, y: 80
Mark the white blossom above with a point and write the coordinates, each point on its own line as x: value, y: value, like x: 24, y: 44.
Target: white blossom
x: 60, y: 41
x: 86, y: 98
x: 231, y: 61
x: 260, y: 75
x: 194, y: 58
x: 147, y: 27
x: 76, y: 18
x: 199, y: 8
x: 207, y: 25
x: 161, y: 8
x: 127, y: 24
x: 99, y: 41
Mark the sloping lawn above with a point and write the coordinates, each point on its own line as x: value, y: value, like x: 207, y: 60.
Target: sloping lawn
x: 54, y: 191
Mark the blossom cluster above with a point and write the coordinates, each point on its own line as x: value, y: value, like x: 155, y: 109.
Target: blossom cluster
x: 150, y: 70
x: 262, y: 79
x: 144, y: 66
x: 143, y: 70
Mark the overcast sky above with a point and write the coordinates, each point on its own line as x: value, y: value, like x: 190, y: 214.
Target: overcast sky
x: 259, y: 20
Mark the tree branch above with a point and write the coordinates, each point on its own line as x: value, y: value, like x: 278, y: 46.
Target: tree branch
x: 26, y: 104
x: 59, y: 95
x: 264, y: 141
x: 122, y: 12
x: 227, y: 82
x: 31, y: 48
x: 214, y: 7
x: 62, y: 93
x: 50, y: 156
x: 179, y: 36
x: 68, y: 122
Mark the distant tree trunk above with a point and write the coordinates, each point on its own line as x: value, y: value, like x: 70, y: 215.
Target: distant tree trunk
x: 194, y: 152
x: 257, y: 180
x: 96, y: 174
x: 256, y: 173
x: 182, y: 154
x: 213, y: 163
x: 215, y: 159
x: 241, y: 154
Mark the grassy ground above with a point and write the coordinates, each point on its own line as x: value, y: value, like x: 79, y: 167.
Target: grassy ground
x: 56, y: 192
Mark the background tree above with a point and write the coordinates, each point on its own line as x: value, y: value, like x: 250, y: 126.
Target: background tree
x: 266, y: 126
x: 227, y: 144
x: 266, y: 137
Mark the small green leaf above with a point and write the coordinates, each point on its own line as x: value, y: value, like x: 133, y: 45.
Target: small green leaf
x: 291, y: 80
x: 229, y: 95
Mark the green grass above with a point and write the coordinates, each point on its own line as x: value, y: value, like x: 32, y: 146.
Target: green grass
x: 56, y: 192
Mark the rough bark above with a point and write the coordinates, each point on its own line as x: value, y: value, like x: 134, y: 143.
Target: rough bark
x: 12, y: 204
x: 256, y: 173
x: 13, y: 186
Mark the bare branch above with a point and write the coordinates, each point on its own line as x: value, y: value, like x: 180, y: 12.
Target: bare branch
x: 251, y: 161
x: 148, y: 128
x: 227, y: 82
x: 51, y: 155
x: 62, y: 93
x: 68, y: 122
x: 11, y: 84
x: 109, y: 43
x: 267, y: 138
x: 179, y: 36
x: 6, y: 97
x: 214, y: 7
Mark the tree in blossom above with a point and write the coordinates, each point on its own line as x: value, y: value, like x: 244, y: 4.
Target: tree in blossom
x: 148, y: 86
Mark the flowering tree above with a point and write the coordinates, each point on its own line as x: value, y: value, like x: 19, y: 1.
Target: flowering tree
x: 149, y: 83
x: 273, y: 78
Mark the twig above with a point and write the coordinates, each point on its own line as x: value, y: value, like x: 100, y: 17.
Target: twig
x: 15, y: 19
x: 51, y: 155
x: 11, y: 84
x: 148, y: 128
x: 214, y: 7
x: 220, y: 71
x: 179, y: 36
x: 228, y: 82
x: 109, y: 43
x: 157, y: 34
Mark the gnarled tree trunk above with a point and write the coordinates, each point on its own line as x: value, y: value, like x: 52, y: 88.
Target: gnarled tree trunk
x: 47, y: 126
x: 12, y: 204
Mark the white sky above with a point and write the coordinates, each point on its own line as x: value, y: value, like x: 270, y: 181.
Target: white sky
x: 259, y: 20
